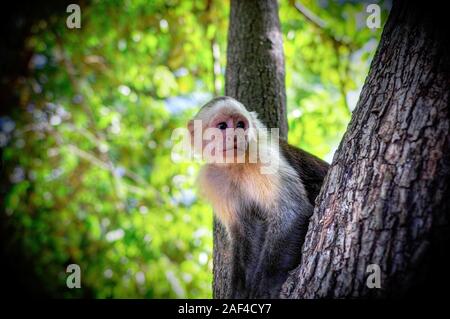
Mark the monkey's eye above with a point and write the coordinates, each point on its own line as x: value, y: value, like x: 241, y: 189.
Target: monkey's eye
x: 222, y: 126
x: 240, y: 124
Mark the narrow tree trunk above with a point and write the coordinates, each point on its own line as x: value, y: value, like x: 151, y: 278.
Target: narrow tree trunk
x: 255, y: 60
x: 385, y: 200
x: 255, y: 76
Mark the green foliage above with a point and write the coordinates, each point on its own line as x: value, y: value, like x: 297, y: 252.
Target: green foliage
x: 326, y: 65
x: 92, y: 179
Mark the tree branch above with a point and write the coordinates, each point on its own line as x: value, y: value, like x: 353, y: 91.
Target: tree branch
x: 321, y: 26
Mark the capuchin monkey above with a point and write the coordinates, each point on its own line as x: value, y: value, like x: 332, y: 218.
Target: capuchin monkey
x: 265, y: 212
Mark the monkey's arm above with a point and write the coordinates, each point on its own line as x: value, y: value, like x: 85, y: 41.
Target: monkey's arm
x: 287, y: 226
x: 281, y: 251
x: 247, y: 240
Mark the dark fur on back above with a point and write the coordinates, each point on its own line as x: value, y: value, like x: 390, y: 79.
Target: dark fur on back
x: 266, y: 245
x: 312, y: 170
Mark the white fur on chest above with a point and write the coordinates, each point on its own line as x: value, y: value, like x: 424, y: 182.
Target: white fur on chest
x: 224, y: 186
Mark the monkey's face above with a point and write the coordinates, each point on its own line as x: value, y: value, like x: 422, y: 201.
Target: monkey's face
x: 224, y: 130
x: 232, y: 134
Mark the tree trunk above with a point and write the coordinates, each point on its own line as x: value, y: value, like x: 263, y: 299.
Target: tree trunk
x: 385, y: 200
x: 255, y: 76
x: 255, y: 61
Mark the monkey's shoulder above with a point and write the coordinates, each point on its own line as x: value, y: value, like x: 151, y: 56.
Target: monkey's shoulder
x: 311, y: 169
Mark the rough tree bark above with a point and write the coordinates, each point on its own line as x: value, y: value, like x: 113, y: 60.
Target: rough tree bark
x: 255, y: 76
x: 255, y: 61
x: 385, y: 200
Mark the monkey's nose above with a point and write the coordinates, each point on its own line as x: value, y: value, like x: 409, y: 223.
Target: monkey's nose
x: 230, y: 123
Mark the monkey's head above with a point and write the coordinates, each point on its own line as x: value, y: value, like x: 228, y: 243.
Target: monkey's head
x: 225, y: 128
